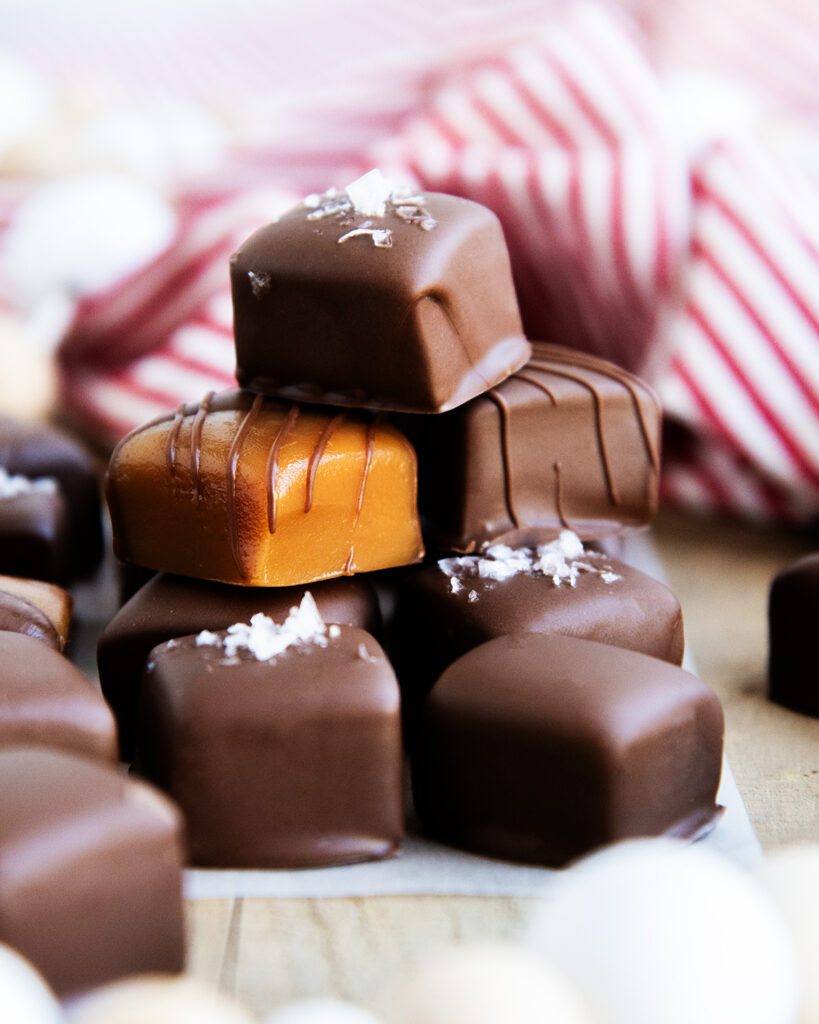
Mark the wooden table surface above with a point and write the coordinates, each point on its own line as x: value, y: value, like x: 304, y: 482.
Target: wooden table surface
x: 268, y: 951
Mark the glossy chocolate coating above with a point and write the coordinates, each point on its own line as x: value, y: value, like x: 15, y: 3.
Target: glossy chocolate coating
x: 172, y: 606
x: 253, y: 491
x: 20, y: 616
x: 90, y: 870
x: 291, y: 762
x: 34, y: 537
x: 568, y: 442
x: 39, y: 450
x: 421, y: 326
x: 38, y: 609
x: 793, y: 620
x: 432, y: 626
x: 541, y: 748
x: 47, y: 700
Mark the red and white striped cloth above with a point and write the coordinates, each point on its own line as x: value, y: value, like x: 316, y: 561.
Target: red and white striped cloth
x: 693, y: 259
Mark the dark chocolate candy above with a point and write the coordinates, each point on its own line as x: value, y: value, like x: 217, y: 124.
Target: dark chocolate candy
x: 38, y: 609
x: 541, y: 748
x: 47, y: 700
x: 37, y: 450
x: 90, y: 870
x: 569, y: 441
x: 324, y: 313
x: 294, y: 761
x: 793, y: 622
x: 446, y: 609
x: 173, y: 606
x: 34, y: 538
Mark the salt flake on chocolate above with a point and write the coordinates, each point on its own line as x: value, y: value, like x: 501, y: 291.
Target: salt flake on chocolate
x: 259, y: 283
x: 265, y: 638
x: 13, y: 485
x: 381, y: 237
x: 370, y: 193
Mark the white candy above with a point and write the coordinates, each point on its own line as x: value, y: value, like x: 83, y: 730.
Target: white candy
x: 321, y: 1011
x: 24, y: 996
x: 658, y: 932
x: 26, y: 103
x: 791, y: 876
x: 82, y: 233
x: 157, y: 999
x: 490, y: 983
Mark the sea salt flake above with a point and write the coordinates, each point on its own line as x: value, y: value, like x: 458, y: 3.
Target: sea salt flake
x: 334, y: 632
x: 259, y: 283
x: 607, y: 576
x: 381, y: 237
x: 365, y: 655
x: 472, y: 596
x: 265, y: 638
x: 369, y: 193
x: 455, y: 584
x: 13, y: 485
x: 207, y: 639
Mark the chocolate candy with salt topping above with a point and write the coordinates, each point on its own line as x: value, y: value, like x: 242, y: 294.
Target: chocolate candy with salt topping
x: 793, y: 619
x: 90, y: 870
x: 253, y: 491
x: 173, y: 606
x: 379, y: 299
x: 47, y: 700
x: 568, y: 442
x: 36, y: 450
x: 281, y: 743
x: 34, y: 538
x: 541, y: 748
x: 446, y: 609
x: 38, y: 609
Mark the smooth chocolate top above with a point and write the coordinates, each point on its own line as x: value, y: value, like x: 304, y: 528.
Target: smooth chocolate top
x: 292, y: 761
x: 172, y: 606
x: 322, y: 313
x: 569, y: 441
x: 541, y: 747
x: 90, y: 870
x: 47, y: 700
x: 792, y: 629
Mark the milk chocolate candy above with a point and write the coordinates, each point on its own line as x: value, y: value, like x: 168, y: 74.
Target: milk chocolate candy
x: 281, y: 743
x: 36, y: 450
x: 90, y: 870
x: 404, y: 302
x: 172, y: 606
x: 540, y: 748
x: 34, y: 539
x: 45, y: 699
x: 38, y: 609
x: 568, y: 442
x: 258, y: 492
x: 444, y: 610
x: 793, y: 620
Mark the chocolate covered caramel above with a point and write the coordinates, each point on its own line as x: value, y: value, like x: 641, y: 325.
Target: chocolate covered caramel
x: 540, y: 748
x: 569, y: 441
x: 379, y: 298
x: 258, y: 492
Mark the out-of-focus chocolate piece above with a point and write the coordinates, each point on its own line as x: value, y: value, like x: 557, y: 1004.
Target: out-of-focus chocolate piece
x: 568, y: 442
x: 45, y: 699
x: 793, y: 622
x: 90, y: 870
x: 281, y: 743
x: 34, y: 538
x: 411, y: 307
x: 444, y: 610
x: 168, y: 607
x: 36, y: 608
x: 253, y: 491
x: 37, y: 450
x: 540, y: 748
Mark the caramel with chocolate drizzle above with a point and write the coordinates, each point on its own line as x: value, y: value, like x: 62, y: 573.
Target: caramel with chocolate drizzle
x: 542, y: 361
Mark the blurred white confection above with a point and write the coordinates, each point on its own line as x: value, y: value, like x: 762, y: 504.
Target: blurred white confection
x: 157, y: 1000
x: 24, y: 996
x: 659, y: 932
x: 80, y: 234
x: 791, y: 875
x: 321, y: 1011
x: 25, y: 103
x: 492, y: 983
x: 28, y: 383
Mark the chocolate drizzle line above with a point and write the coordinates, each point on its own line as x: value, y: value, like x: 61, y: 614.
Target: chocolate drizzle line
x: 315, y: 458
x: 232, y: 463
x: 503, y: 410
x: 272, y: 468
x: 536, y: 384
x: 598, y: 417
x: 173, y: 438
x: 196, y: 441
x: 368, y: 458
x: 617, y: 374
x: 564, y: 522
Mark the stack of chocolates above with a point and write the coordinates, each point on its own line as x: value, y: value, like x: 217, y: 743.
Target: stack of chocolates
x: 90, y: 860
x: 387, y: 393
